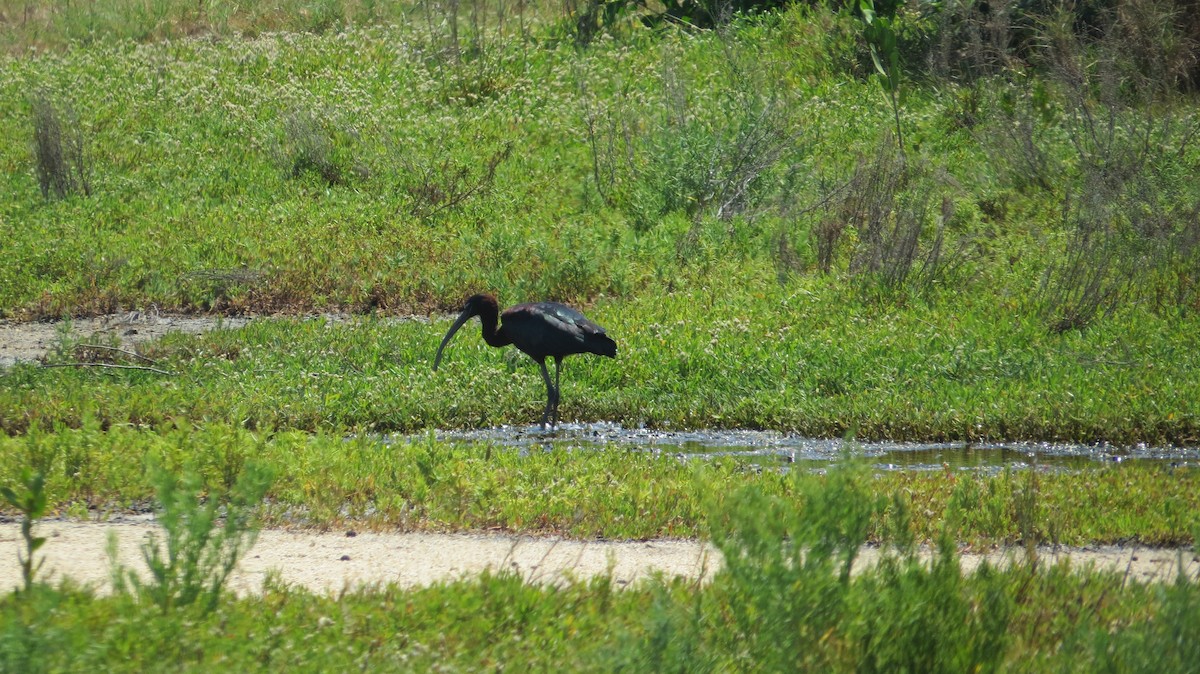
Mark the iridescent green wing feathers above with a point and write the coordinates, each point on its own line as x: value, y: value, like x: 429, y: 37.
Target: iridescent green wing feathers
x: 554, y: 330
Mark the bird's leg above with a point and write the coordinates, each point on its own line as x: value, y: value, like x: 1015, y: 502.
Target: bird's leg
x: 557, y: 390
x: 551, y: 392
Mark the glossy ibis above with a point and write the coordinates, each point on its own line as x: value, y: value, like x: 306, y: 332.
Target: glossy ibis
x: 540, y: 329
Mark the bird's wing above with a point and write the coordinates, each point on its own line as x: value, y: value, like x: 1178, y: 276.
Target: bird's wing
x: 548, y: 316
x: 568, y: 318
x: 549, y: 328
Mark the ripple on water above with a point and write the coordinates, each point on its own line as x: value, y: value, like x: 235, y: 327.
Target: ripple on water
x: 772, y: 449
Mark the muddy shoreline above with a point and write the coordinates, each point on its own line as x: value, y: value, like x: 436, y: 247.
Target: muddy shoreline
x: 25, y: 342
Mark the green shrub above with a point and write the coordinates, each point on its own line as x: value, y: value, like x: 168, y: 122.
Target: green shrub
x: 205, y: 538
x: 31, y: 503
x: 311, y: 145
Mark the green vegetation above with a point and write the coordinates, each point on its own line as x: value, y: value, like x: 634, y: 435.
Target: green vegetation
x: 801, y: 361
x: 1002, y: 246
x: 31, y: 503
x: 368, y: 168
x: 784, y: 600
x: 485, y: 622
x: 328, y: 480
x: 191, y: 566
x: 727, y: 202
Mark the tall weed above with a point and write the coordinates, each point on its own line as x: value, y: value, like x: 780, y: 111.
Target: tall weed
x: 30, y: 501
x: 971, y: 39
x: 928, y: 616
x: 885, y: 213
x: 60, y: 159
x: 786, y: 599
x: 786, y: 578
x: 206, y: 535
x: 310, y: 143
x: 695, y: 156
x: 433, y: 186
x: 1019, y: 133
x: 1132, y: 220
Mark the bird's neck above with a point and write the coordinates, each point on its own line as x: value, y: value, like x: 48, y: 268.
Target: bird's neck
x: 493, y: 332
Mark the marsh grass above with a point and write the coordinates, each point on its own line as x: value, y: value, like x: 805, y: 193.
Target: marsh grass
x: 328, y: 480
x: 694, y: 157
x: 816, y: 360
x: 309, y: 144
x: 702, y: 147
x: 1113, y: 97
x: 437, y: 185
x: 893, y: 215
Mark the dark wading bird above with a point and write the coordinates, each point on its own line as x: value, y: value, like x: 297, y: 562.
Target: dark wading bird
x: 540, y: 329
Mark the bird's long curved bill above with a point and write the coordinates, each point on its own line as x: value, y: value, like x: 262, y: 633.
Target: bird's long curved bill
x: 458, y: 323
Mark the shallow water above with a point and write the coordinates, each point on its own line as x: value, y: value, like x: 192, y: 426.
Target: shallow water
x: 772, y: 449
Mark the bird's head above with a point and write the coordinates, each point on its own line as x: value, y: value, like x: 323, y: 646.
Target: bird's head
x: 480, y: 304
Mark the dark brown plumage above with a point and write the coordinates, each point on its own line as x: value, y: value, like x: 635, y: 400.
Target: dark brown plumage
x: 540, y: 329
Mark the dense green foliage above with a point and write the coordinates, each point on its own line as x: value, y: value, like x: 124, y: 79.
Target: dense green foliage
x: 728, y: 202
x: 378, y: 167
x: 902, y: 615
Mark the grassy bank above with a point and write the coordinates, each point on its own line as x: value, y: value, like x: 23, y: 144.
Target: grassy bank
x: 374, y: 166
x: 328, y: 480
x: 800, y: 359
